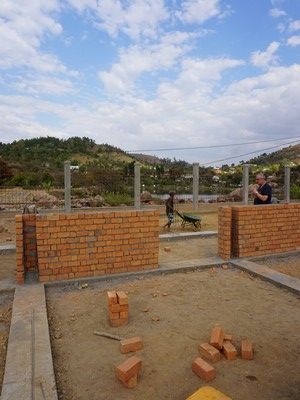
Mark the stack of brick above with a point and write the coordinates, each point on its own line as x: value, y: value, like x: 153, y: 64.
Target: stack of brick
x: 127, y: 372
x: 118, y: 308
x: 219, y: 343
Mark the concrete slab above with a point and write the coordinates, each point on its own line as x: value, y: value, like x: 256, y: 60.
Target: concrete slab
x: 186, y: 235
x: 29, y: 373
x: 268, y: 274
x: 7, y: 248
x: 164, y: 269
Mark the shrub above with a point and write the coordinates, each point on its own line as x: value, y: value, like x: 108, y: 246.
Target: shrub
x: 295, y: 192
x: 116, y: 199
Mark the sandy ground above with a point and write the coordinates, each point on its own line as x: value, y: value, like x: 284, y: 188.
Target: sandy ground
x: 289, y: 265
x: 189, y: 249
x: 173, y: 314
x: 6, y: 299
x: 209, y: 223
x: 8, y: 267
x: 7, y: 228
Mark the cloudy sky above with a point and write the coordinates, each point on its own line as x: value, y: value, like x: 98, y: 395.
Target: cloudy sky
x: 149, y: 74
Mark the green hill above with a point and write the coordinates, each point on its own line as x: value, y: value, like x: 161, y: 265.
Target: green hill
x: 287, y: 154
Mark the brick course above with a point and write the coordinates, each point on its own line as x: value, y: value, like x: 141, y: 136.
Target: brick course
x: 246, y: 231
x: 78, y: 245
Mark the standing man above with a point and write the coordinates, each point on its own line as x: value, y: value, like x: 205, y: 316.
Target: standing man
x: 170, y: 210
x: 263, y: 194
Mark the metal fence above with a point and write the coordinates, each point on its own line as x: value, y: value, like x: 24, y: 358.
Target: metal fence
x: 90, y: 189
x: 18, y: 197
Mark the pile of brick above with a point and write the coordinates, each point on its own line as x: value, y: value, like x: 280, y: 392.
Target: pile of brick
x: 127, y: 372
x: 118, y: 308
x: 220, y: 343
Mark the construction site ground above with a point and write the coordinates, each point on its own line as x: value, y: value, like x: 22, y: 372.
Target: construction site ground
x: 174, y: 314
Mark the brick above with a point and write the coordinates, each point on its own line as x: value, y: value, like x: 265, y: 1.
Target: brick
x: 128, y: 368
x: 112, y: 298
x: 217, y: 337
x: 122, y: 298
x: 114, y: 308
x: 247, y: 349
x: 228, y: 337
x: 132, y: 344
x: 116, y: 323
x: 114, y: 315
x: 203, y: 369
x: 209, y: 352
x: 124, y: 314
x: 229, y: 350
x: 132, y: 382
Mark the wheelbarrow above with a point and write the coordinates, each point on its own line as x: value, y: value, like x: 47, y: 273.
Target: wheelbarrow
x: 188, y: 219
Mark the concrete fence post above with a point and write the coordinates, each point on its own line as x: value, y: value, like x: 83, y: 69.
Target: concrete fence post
x: 245, y: 183
x: 137, y: 186
x: 287, y: 184
x: 195, y: 185
x: 67, y: 178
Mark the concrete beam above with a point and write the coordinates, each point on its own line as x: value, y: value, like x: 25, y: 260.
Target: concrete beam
x: 29, y: 373
x: 195, y: 185
x: 287, y: 184
x: 67, y: 175
x: 137, y: 186
x: 245, y: 183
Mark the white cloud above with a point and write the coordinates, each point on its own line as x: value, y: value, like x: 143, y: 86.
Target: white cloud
x: 199, y: 11
x: 281, y: 27
x: 139, y: 59
x: 294, y: 41
x: 277, y: 12
x: 138, y: 18
x: 22, y: 28
x: 294, y: 25
x: 264, y: 106
x: 43, y: 84
x: 266, y: 58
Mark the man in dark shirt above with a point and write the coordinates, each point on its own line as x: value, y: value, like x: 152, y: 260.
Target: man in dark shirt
x: 263, y: 194
x: 170, y: 210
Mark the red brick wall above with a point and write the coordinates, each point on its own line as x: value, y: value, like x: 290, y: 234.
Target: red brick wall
x: 20, y: 249
x: 88, y: 244
x: 224, y: 233
x: 260, y: 230
x: 26, y: 245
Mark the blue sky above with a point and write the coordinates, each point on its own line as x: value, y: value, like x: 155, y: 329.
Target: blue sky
x: 147, y: 74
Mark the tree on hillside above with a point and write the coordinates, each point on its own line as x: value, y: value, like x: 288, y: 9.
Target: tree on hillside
x: 5, y: 172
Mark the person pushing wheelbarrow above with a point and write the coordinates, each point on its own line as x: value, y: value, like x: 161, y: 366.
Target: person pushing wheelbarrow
x: 170, y: 210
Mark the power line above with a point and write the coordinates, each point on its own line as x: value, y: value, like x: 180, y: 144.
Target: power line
x: 251, y: 152
x: 211, y: 147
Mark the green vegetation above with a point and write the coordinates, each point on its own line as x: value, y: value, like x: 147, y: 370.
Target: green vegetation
x: 295, y: 192
x: 117, y: 199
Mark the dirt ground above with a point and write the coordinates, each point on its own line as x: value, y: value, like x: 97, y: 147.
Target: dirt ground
x: 173, y: 314
x: 289, y: 265
x: 7, y: 228
x: 8, y: 267
x: 189, y: 249
x: 6, y: 299
x: 209, y: 223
